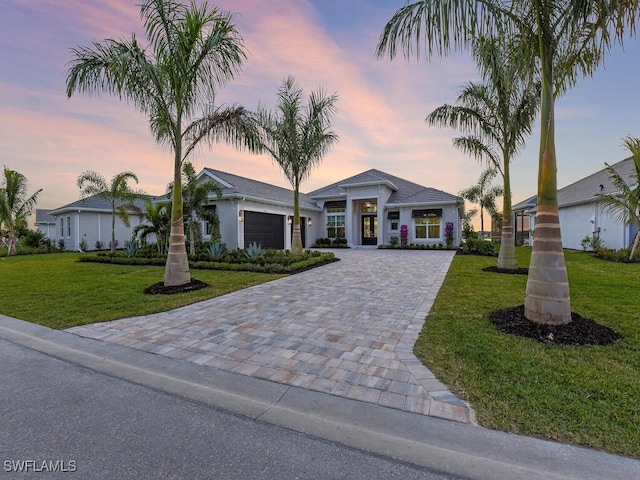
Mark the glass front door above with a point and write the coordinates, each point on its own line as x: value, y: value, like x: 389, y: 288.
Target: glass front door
x: 369, y: 230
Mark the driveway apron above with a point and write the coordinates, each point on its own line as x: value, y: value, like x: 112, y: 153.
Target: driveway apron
x: 346, y: 329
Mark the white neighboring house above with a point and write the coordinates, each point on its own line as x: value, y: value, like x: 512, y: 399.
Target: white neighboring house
x: 580, y: 217
x: 89, y: 219
x: 46, y: 223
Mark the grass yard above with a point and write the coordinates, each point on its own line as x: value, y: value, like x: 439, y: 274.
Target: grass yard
x: 57, y: 291
x: 586, y: 395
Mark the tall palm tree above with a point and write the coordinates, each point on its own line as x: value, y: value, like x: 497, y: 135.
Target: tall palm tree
x: 117, y: 192
x: 15, y: 205
x: 297, y: 137
x: 496, y: 117
x: 484, y: 194
x: 157, y: 218
x: 196, y: 195
x: 624, y: 204
x: 192, y: 51
x: 560, y: 40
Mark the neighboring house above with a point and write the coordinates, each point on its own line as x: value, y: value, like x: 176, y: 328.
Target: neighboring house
x: 366, y: 209
x: 579, y: 215
x: 46, y: 223
x: 89, y: 219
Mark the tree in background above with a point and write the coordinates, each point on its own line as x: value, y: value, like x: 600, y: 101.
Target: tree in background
x: 15, y: 205
x: 297, y: 137
x: 495, y: 118
x: 157, y: 218
x: 117, y: 192
x: 192, y: 51
x: 558, y: 40
x: 484, y: 195
x: 624, y: 204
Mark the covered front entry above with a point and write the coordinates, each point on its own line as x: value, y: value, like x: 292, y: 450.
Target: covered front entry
x: 369, y: 230
x: 266, y: 229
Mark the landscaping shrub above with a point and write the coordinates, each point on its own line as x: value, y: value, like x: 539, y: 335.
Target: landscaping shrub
x: 480, y: 247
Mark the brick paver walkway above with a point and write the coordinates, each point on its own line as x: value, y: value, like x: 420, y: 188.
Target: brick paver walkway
x: 346, y: 329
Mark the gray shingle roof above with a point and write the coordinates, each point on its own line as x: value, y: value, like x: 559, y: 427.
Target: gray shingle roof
x: 43, y: 216
x: 242, y: 186
x: 96, y: 203
x: 405, y: 192
x: 585, y: 189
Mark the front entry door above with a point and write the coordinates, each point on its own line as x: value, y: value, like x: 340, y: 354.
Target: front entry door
x: 369, y: 230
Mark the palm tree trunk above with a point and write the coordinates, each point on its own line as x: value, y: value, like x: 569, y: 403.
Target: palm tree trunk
x: 296, y: 240
x: 507, y: 257
x: 547, y: 298
x: 11, y: 248
x: 113, y: 231
x: 176, y: 270
x: 635, y: 245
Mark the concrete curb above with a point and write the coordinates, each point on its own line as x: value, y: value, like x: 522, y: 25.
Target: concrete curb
x: 438, y: 444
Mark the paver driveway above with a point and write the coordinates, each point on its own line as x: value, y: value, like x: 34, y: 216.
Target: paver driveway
x: 346, y: 329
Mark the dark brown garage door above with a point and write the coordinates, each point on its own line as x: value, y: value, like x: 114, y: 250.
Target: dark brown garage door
x: 264, y: 228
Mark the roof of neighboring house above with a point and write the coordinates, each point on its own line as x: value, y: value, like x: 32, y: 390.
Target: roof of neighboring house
x: 96, y: 203
x: 43, y: 216
x: 235, y: 185
x: 404, y: 191
x: 585, y: 189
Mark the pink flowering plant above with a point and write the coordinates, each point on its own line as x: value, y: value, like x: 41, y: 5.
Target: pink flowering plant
x: 448, y: 234
x: 404, y: 235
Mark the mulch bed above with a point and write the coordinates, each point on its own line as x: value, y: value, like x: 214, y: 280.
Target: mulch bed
x: 160, y: 289
x: 514, y: 271
x: 581, y: 331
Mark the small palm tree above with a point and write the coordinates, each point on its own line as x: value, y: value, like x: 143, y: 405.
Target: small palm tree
x: 559, y: 40
x: 496, y: 117
x: 15, y: 205
x: 297, y: 137
x: 192, y: 51
x: 157, y: 218
x: 118, y: 193
x: 484, y: 194
x: 624, y: 204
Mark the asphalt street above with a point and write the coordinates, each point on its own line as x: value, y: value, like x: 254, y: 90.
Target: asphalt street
x: 63, y: 417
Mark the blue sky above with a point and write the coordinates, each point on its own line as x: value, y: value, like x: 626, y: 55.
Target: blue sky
x: 328, y: 43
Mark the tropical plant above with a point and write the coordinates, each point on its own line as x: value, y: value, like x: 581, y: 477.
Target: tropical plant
x: 559, y: 41
x: 297, y: 137
x: 131, y: 247
x: 15, y: 205
x: 195, y: 195
x: 254, y: 251
x: 217, y: 250
x: 495, y: 118
x: 484, y: 194
x: 624, y: 203
x: 117, y: 192
x: 192, y: 51
x: 157, y: 223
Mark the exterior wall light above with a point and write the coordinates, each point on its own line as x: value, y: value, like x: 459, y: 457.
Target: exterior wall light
x: 309, y: 222
x: 241, y: 216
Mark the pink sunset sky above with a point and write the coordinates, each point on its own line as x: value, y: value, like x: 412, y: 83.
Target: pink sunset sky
x: 329, y: 43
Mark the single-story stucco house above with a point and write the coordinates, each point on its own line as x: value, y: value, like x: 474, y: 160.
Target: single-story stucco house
x: 89, y: 220
x: 366, y: 209
x: 580, y: 217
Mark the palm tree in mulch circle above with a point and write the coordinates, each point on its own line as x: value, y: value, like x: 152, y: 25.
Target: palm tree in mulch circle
x: 15, y: 205
x: 192, y: 50
x: 117, y: 192
x: 558, y: 40
x: 495, y: 117
x: 297, y: 136
x: 624, y: 203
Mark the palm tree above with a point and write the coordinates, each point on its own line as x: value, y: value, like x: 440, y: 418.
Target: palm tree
x: 118, y: 193
x: 484, y: 194
x: 192, y: 51
x: 158, y: 223
x: 496, y: 117
x: 625, y: 203
x: 297, y: 137
x: 15, y: 205
x: 196, y: 195
x: 560, y: 40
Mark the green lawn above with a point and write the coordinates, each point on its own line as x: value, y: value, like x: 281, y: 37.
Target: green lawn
x: 57, y: 291
x: 586, y: 396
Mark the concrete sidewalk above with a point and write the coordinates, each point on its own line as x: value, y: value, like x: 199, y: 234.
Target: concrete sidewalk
x: 451, y: 447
